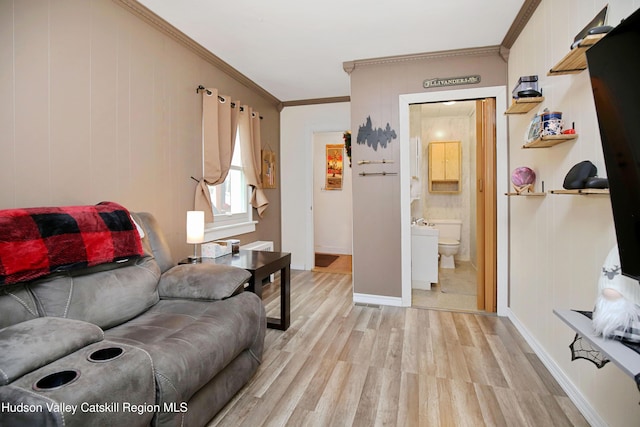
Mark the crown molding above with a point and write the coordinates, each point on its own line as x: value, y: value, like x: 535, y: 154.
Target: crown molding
x: 315, y: 101
x: 169, y: 30
x: 349, y: 66
x: 521, y: 20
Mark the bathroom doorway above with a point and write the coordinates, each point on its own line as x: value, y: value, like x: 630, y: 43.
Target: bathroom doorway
x: 447, y: 203
x: 485, y: 268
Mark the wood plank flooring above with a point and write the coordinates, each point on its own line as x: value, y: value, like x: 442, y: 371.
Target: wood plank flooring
x: 341, y: 265
x: 341, y: 364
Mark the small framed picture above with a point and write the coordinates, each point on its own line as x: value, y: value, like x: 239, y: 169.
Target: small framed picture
x: 334, y: 166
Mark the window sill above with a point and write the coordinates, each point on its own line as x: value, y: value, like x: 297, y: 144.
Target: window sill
x: 223, y: 231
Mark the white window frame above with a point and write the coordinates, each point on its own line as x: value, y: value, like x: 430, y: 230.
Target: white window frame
x: 229, y: 225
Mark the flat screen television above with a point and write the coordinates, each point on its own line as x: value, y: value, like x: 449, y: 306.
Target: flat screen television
x: 614, y: 68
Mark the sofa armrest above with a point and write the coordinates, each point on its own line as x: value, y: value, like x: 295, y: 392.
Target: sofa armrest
x: 27, y: 346
x: 202, y: 282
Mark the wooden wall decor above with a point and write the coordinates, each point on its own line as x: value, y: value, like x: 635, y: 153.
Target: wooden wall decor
x: 268, y: 169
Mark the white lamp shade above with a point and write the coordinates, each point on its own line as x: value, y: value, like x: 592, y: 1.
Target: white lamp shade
x: 195, y: 226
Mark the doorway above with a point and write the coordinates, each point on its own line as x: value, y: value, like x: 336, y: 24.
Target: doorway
x: 501, y: 171
x: 446, y: 135
x: 332, y: 202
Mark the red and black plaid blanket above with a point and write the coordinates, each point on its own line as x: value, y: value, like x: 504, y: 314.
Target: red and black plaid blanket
x: 37, y: 241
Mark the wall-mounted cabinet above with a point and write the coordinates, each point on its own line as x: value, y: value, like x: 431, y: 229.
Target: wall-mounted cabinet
x: 445, y: 160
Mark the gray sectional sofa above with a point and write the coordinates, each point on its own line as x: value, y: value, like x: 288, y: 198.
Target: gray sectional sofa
x: 129, y: 343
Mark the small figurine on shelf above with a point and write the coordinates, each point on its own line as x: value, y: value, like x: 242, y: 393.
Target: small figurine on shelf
x: 617, y: 309
x: 523, y: 179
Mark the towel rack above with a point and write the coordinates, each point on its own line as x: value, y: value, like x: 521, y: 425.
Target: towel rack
x: 377, y: 173
x: 371, y: 162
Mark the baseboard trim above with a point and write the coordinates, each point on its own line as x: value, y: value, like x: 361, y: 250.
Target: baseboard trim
x: 377, y: 300
x: 578, y: 399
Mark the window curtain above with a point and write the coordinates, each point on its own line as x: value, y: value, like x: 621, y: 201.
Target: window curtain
x: 219, y: 125
x: 249, y: 128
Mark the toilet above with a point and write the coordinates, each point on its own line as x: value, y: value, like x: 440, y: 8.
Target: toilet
x: 448, y: 240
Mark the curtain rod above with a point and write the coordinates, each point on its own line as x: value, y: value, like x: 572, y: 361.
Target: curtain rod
x: 233, y: 104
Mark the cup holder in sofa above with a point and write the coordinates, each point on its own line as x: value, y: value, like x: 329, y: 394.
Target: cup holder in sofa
x: 106, y: 354
x: 56, y: 380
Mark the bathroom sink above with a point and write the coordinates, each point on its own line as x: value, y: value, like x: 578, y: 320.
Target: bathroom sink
x: 423, y: 230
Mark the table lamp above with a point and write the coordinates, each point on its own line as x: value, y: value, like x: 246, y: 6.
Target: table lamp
x: 195, y: 232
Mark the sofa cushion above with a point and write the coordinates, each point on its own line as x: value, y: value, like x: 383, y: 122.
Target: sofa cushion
x: 102, y: 296
x: 35, y: 242
x: 154, y: 242
x: 16, y: 305
x: 190, y: 342
x: 202, y: 281
x: 29, y: 345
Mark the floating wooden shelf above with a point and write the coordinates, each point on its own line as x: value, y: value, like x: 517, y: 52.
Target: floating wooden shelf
x: 575, y: 61
x: 583, y: 191
x: 621, y: 355
x: 526, y: 194
x: 550, y: 140
x: 524, y: 105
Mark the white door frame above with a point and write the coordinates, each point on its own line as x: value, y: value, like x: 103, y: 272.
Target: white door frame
x: 502, y: 172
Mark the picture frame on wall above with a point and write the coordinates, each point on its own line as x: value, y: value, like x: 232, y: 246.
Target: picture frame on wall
x: 334, y: 159
x: 268, y: 169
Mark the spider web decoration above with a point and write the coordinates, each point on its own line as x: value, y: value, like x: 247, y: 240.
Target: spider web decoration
x: 582, y: 349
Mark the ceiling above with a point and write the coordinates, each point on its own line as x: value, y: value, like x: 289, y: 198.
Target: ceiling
x: 295, y: 50
x: 448, y: 109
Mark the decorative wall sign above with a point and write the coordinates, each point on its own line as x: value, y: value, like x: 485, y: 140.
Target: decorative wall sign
x: 451, y: 81
x: 268, y: 169
x: 374, y: 137
x: 334, y: 166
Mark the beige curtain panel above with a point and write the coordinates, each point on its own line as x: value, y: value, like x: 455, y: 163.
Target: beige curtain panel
x: 249, y: 128
x: 219, y: 124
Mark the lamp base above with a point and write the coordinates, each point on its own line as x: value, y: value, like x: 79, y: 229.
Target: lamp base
x: 193, y: 259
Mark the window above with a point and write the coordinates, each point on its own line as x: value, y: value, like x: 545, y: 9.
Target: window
x: 231, y: 210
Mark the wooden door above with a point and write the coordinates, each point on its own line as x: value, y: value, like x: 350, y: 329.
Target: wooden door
x: 486, y: 204
x: 452, y: 161
x: 437, y: 157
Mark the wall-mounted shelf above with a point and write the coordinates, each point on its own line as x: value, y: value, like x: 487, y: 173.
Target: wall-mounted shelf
x: 524, y: 105
x: 621, y: 355
x: 575, y: 61
x: 526, y: 194
x: 582, y: 191
x: 550, y: 140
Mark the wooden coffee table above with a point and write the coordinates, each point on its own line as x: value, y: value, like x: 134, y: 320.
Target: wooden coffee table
x: 261, y: 264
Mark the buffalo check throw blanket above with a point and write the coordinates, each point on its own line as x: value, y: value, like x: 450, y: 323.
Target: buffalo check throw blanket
x: 35, y: 242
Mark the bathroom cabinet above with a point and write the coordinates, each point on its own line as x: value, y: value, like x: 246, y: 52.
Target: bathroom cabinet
x: 424, y: 256
x: 444, y: 166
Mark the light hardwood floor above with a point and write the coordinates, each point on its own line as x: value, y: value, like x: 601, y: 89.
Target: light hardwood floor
x: 341, y: 364
x: 341, y: 265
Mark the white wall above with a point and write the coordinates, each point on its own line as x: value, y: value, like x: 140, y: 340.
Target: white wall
x: 558, y: 243
x: 332, y: 213
x: 297, y: 126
